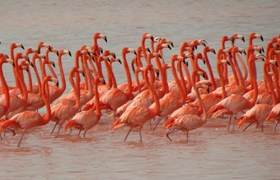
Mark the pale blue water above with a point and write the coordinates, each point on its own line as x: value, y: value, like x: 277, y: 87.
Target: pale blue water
x: 212, y: 153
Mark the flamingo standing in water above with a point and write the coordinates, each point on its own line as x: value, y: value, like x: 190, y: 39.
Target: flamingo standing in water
x: 236, y: 103
x: 85, y: 120
x: 187, y: 122
x: 65, y: 109
x: 260, y: 112
x: 30, y: 119
x: 136, y: 117
x: 5, y: 96
x: 114, y: 98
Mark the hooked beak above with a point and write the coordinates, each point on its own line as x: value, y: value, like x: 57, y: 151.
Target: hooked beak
x: 105, y: 38
x: 169, y: 47
x: 69, y: 52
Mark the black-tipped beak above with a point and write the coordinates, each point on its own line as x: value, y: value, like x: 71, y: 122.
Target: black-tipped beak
x: 152, y: 38
x: 204, y: 62
x: 229, y: 53
x: 261, y: 38
x: 228, y: 63
x: 245, y: 52
x: 195, y: 47
x: 159, y: 56
x: 53, y: 64
x: 169, y: 47
x: 243, y: 39
x: 157, y: 73
x: 214, y: 51
x: 148, y: 49
x: 32, y: 65
x: 114, y: 56
x: 57, y: 53
x: 276, y: 64
x: 171, y: 43
x: 120, y: 61
x: 205, y: 42
x: 103, y: 81
x: 135, y: 53
x: 204, y: 76
x: 22, y: 47
x: 208, y: 90
x: 187, y: 63
x: 101, y: 51
x: 262, y: 49
x: 28, y: 59
x: 105, y: 38
x: 70, y: 54
x: 83, y: 74
x: 57, y: 83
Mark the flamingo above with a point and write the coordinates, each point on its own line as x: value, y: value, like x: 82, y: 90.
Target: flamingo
x: 114, y: 98
x: 31, y: 119
x: 85, y: 120
x: 5, y: 96
x: 136, y: 117
x: 17, y: 102
x: 170, y: 101
x: 236, y: 103
x: 65, y: 109
x: 187, y: 122
x: 260, y: 112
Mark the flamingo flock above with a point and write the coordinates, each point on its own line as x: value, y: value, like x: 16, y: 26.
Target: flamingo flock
x: 191, y: 97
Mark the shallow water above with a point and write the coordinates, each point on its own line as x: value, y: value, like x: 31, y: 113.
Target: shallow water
x: 211, y: 153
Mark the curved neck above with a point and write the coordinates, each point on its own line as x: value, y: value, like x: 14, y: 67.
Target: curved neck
x: 36, y: 72
x: 75, y: 87
x: 5, y: 89
x: 144, y: 48
x: 182, y: 94
x: 97, y: 102
x: 12, y: 48
x: 232, y: 64
x: 163, y: 76
x: 221, y: 75
x: 238, y: 71
x: 156, y: 109
x: 128, y: 76
x: 202, y: 105
x: 46, y: 97
x: 189, y: 79
x: 269, y: 82
x: 62, y: 77
x: 88, y: 78
x: 253, y: 77
x: 182, y: 79
x: 214, y: 85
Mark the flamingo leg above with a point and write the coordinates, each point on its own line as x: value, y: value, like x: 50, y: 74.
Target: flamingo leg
x: 276, y: 126
x: 157, y: 123
x: 262, y: 127
x: 247, y: 126
x: 140, y: 135
x: 229, y: 122
x: 187, y: 133
x: 54, y: 128
x: 234, y: 123
x: 85, y: 133
x: 170, y: 132
x: 127, y: 134
x: 1, y: 137
x: 19, y: 142
x: 79, y: 133
x: 59, y: 127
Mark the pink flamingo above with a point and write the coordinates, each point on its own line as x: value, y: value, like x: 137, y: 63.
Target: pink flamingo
x: 85, y: 120
x: 139, y: 115
x: 29, y: 119
x: 260, y: 112
x: 187, y: 122
x: 65, y: 109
